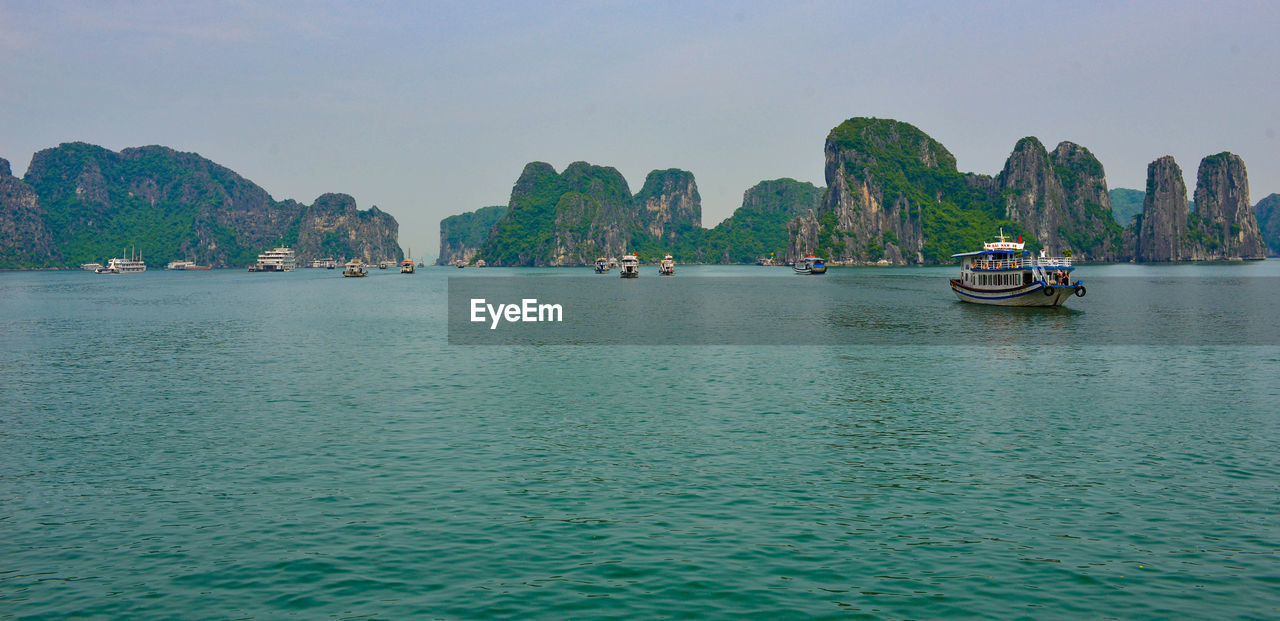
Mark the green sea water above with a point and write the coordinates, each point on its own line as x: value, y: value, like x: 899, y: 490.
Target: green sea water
x: 232, y: 445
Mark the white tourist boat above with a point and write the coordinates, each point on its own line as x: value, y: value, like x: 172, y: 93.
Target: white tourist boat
x: 91, y: 267
x: 602, y: 265
x: 810, y: 264
x: 630, y: 266
x: 354, y: 269
x: 279, y: 259
x: 326, y: 263
x: 130, y: 265
x: 1003, y: 274
x: 186, y: 266
x: 667, y: 266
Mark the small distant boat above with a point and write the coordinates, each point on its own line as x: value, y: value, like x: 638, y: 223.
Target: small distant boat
x: 421, y: 264
x: 280, y: 259
x: 667, y: 266
x: 613, y: 262
x: 459, y: 264
x: 630, y: 266
x: 406, y: 266
x: 326, y: 263
x: 1003, y: 274
x: 382, y: 265
x: 355, y: 269
x: 186, y: 266
x: 810, y: 264
x: 481, y: 263
x: 91, y: 267
x: 602, y: 265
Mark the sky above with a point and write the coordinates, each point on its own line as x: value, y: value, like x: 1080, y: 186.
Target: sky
x: 428, y: 109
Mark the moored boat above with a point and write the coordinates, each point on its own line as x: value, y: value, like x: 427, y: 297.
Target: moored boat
x: 1004, y: 274
x: 186, y: 266
x: 602, y: 265
x: 280, y: 259
x: 667, y: 266
x: 630, y: 266
x: 354, y: 269
x: 130, y: 265
x: 810, y: 264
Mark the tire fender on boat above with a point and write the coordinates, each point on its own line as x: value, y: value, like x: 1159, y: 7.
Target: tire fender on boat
x: 1080, y: 291
x: 1048, y: 290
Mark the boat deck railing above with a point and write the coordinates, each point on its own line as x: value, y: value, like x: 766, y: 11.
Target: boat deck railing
x: 1015, y: 263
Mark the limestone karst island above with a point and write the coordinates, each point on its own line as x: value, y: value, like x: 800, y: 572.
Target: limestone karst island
x: 893, y: 196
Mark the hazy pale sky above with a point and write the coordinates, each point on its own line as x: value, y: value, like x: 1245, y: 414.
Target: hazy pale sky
x: 428, y: 109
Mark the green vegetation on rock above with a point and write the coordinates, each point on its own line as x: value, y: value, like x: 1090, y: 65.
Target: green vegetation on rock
x: 94, y: 204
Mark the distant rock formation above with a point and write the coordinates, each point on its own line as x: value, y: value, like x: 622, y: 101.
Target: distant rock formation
x: 171, y: 205
x: 587, y: 212
x: 759, y: 228
x: 896, y: 197
x: 1061, y: 199
x: 1223, y: 213
x: 332, y: 227
x: 1163, y: 225
x: 462, y: 235
x: 1222, y: 227
x: 1126, y: 204
x: 26, y: 239
x: 1268, y: 213
x: 670, y: 204
x: 880, y: 175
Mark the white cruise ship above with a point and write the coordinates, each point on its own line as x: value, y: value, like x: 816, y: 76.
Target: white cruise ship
x: 275, y: 260
x: 130, y: 265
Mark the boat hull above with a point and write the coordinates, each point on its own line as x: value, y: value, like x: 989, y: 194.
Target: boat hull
x: 1030, y: 295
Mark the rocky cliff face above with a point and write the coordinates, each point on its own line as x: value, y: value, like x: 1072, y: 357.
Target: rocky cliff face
x: 173, y: 205
x: 1033, y: 194
x: 333, y: 227
x: 587, y: 212
x: 594, y: 217
x: 1223, y: 214
x: 26, y: 240
x: 1222, y: 227
x: 1061, y: 199
x: 461, y: 236
x: 1088, y: 228
x: 805, y: 234
x: 869, y: 214
x: 670, y: 205
x: 1164, y: 214
x: 1268, y: 213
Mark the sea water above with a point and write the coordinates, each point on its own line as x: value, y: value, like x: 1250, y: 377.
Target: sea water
x: 232, y: 445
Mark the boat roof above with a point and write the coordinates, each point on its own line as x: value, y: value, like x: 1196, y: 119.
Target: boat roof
x: 981, y: 252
